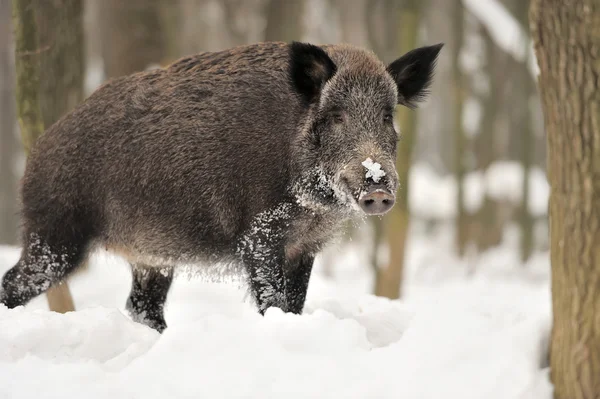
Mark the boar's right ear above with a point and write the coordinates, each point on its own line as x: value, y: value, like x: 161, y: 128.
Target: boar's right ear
x: 413, y: 73
x: 310, y: 68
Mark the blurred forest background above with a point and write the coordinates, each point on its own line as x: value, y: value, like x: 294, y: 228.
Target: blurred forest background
x: 471, y: 159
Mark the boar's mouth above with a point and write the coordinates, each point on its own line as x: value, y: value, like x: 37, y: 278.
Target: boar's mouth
x: 344, y: 194
x: 318, y: 190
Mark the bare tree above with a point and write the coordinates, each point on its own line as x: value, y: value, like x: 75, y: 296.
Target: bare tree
x: 49, y: 63
x: 405, y: 20
x: 523, y: 124
x: 462, y: 224
x: 284, y: 20
x: 352, y: 15
x: 9, y: 145
x: 132, y: 34
x: 381, y: 22
x: 61, y: 57
x: 567, y: 38
x: 489, y: 224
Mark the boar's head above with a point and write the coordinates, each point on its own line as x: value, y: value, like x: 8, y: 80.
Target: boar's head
x: 346, y: 150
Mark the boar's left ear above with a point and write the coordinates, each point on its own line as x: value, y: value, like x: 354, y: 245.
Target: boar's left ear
x: 310, y: 68
x: 413, y: 73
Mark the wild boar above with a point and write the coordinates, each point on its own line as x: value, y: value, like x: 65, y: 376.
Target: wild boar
x: 253, y: 155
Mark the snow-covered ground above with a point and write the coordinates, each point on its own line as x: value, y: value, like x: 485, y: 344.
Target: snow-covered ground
x: 455, y: 335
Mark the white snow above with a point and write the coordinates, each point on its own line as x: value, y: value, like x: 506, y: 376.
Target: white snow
x: 454, y: 335
x: 374, y: 170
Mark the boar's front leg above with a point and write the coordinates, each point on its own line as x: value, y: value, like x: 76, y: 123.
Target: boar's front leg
x: 266, y: 281
x: 149, y: 289
x: 297, y: 276
x: 263, y: 255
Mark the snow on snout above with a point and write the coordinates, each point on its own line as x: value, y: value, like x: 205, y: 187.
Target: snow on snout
x: 374, y: 170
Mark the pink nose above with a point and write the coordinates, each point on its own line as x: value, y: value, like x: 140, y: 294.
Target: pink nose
x: 377, y: 202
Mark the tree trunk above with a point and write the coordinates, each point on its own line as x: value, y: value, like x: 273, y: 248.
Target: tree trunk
x: 61, y: 57
x: 49, y: 63
x: 132, y: 35
x: 459, y: 142
x: 352, y: 21
x: 284, y: 20
x: 28, y: 72
x: 567, y: 38
x: 524, y: 126
x: 9, y: 146
x: 490, y: 226
x: 389, y: 279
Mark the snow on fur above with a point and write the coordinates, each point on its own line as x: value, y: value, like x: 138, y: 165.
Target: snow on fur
x: 374, y: 170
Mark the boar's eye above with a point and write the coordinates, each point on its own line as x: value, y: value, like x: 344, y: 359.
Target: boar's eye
x: 388, y: 118
x: 338, y: 117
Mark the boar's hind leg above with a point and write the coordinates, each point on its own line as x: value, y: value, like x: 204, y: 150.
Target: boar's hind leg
x: 45, y: 260
x: 149, y: 289
x: 297, y: 275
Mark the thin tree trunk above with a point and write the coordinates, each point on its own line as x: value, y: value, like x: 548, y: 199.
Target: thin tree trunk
x: 284, y: 20
x: 489, y: 233
x: 352, y: 21
x: 567, y: 39
x: 389, y: 279
x: 60, y: 40
x: 132, y: 35
x: 525, y: 218
x: 60, y: 32
x: 524, y: 126
x: 45, y: 93
x: 459, y: 141
x: 9, y: 145
x: 376, y: 239
x: 28, y: 72
x: 380, y: 22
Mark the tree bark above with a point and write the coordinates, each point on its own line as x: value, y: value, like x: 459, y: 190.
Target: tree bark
x: 567, y: 38
x: 389, y: 279
x: 9, y: 145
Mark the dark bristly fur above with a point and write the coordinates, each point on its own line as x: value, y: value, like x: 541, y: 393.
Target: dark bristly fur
x: 250, y: 155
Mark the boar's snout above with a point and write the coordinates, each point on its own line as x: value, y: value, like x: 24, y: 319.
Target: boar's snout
x: 377, y: 200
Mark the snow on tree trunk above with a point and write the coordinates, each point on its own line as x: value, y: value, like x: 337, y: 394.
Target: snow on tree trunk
x: 567, y: 38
